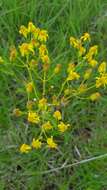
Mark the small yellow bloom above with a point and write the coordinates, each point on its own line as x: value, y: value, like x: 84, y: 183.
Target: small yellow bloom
x: 29, y: 87
x: 1, y: 60
x: 45, y: 59
x: 73, y: 76
x: 95, y: 96
x: 93, y: 50
x: 24, y: 31
x: 102, y: 67
x: 74, y: 42
x: 43, y: 35
x: 93, y: 62
x: 17, y: 112
x: 43, y: 50
x: 25, y: 148
x: 86, y: 37
x: 26, y: 49
x: 33, y: 117
x: 87, y: 74
x: 42, y: 103
x: 57, y: 115
x: 101, y: 81
x: 31, y: 27
x: 36, y: 143
x: 47, y: 126
x: 82, y: 50
x: 63, y: 127
x: 51, y: 143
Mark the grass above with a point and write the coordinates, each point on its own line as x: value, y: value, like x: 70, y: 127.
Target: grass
x: 62, y: 18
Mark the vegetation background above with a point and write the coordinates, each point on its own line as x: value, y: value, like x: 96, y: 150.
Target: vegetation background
x: 62, y: 18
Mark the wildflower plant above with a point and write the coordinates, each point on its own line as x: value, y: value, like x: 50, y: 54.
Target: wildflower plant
x: 43, y: 111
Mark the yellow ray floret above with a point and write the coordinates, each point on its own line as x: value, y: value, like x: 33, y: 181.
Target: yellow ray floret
x: 57, y: 115
x: 36, y: 143
x: 25, y: 148
x: 63, y: 127
x: 51, y: 143
x: 33, y: 117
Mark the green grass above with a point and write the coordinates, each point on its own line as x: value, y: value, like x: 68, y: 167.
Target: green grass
x: 62, y: 18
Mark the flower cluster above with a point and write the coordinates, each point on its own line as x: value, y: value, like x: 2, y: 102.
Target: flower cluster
x: 44, y: 110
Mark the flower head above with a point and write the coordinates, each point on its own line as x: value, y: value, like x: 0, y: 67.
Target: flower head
x: 86, y: 37
x: 102, y: 67
x: 73, y: 76
x: 42, y: 103
x: 24, y: 31
x: 63, y: 127
x: 26, y: 49
x: 57, y: 115
x: 43, y: 35
x: 101, y: 81
x: 95, y: 96
x: 25, y: 148
x: 36, y: 143
x: 47, y: 126
x: 29, y: 87
x: 33, y: 117
x: 51, y: 143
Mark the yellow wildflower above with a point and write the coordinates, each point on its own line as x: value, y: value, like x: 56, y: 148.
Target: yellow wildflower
x: 43, y: 50
x: 73, y: 76
x: 24, y: 31
x: 25, y: 148
x: 85, y: 37
x: 36, y: 143
x: 17, y: 112
x: 43, y: 35
x: 26, y: 48
x: 74, y: 42
x: 31, y: 27
x: 51, y: 143
x: 47, y: 126
x: 57, y: 115
x: 45, y: 59
x: 82, y: 50
x: 63, y: 127
x: 35, y: 43
x: 93, y: 50
x: 102, y: 67
x: 87, y: 74
x: 95, y: 96
x: 33, y: 117
x: 101, y: 81
x: 93, y: 62
x: 1, y: 60
x: 42, y: 103
x: 29, y: 87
